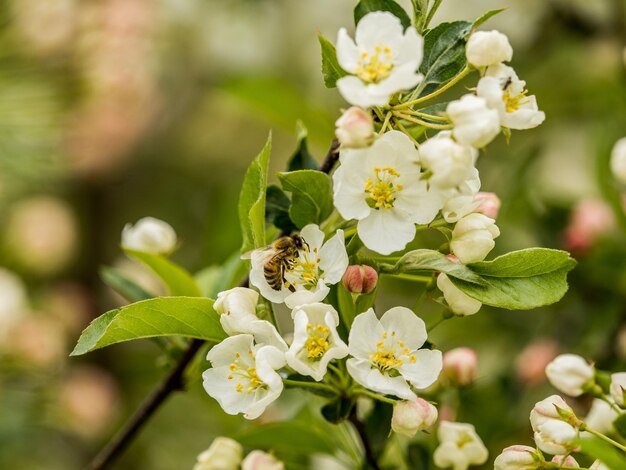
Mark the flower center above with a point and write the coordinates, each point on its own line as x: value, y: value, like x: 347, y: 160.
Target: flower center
x: 318, y: 343
x: 512, y: 102
x: 383, y: 189
x: 386, y: 356
x: 304, y: 270
x: 246, y: 376
x: 373, y: 68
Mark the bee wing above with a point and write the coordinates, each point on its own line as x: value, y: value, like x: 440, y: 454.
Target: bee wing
x: 260, y: 256
x: 248, y: 254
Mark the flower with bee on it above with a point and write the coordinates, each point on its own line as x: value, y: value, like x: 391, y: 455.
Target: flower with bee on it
x: 299, y: 273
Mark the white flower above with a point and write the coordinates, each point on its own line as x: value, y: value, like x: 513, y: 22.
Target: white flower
x: 506, y: 93
x: 411, y: 416
x: 472, y: 238
x: 149, y: 235
x: 459, y: 446
x: 355, y: 128
x: 517, y: 458
x: 459, y: 302
x: 381, y: 187
x: 618, y: 160
x: 549, y: 409
x: 461, y: 201
x: 316, y: 266
x: 223, y: 454
x: 618, y: 387
x: 449, y: 162
x: 13, y: 301
x: 601, y: 416
x: 315, y: 340
x: 386, y: 355
x: 488, y: 48
x: 474, y: 123
x: 555, y: 437
x: 597, y: 465
x: 382, y: 61
x: 237, y: 309
x: 565, y: 461
x: 259, y: 460
x: 243, y: 378
x: 570, y: 374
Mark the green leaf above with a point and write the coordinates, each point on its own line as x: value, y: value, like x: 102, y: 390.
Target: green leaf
x: 620, y: 425
x: 191, y: 317
x: 277, y: 205
x: 311, y: 200
x: 597, y: 449
x: 367, y: 6
x: 122, y: 285
x: 177, y: 280
x: 518, y: 293
x: 347, y: 307
x: 429, y: 260
x: 302, y: 158
x: 291, y: 437
x: 338, y: 410
x: 525, y: 263
x: 444, y: 54
x: 331, y: 70
x: 483, y: 18
x: 252, y: 200
x: 378, y: 426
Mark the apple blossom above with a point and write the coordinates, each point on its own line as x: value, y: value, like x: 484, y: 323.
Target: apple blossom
x: 459, y: 446
x: 488, y: 48
x: 472, y: 238
x: 243, y: 378
x: 565, y: 461
x: 315, y: 340
x: 506, y: 93
x: 597, y: 465
x: 460, y: 365
x: 411, y: 416
x: 517, y: 458
x: 618, y: 387
x: 381, y: 62
x: 462, y: 201
x: 385, y: 353
x: 449, y: 162
x: 570, y: 374
x: 459, y: 302
x: 474, y: 122
x: 382, y: 187
x: 601, y: 416
x: 618, y: 160
x: 149, y: 235
x: 306, y: 281
x: 489, y: 204
x: 237, y: 309
x: 223, y: 454
x: 360, y: 279
x: 355, y: 128
x: 553, y: 408
x: 259, y: 460
x: 555, y: 437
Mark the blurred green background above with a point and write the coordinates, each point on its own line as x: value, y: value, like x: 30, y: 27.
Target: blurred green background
x: 111, y: 110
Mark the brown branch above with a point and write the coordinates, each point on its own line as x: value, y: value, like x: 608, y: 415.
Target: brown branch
x: 175, y: 381
x: 370, y: 458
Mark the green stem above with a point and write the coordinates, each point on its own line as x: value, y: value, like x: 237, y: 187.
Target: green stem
x: 432, y: 12
x: 411, y: 277
x: 375, y: 396
x: 605, y: 438
x: 436, y: 324
x: 311, y: 385
x: 437, y: 92
x: 421, y: 122
x: 385, y: 123
x: 407, y: 133
x: 425, y: 115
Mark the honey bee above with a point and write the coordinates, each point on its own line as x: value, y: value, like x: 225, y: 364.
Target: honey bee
x: 283, y: 253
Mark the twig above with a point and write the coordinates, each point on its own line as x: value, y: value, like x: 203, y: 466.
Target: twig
x: 175, y: 381
x: 370, y: 458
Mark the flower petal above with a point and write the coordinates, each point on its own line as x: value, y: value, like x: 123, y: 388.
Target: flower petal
x: 371, y: 378
x: 424, y: 371
x: 334, y: 258
x: 347, y: 53
x: 386, y: 230
x: 408, y: 326
x: 364, y: 333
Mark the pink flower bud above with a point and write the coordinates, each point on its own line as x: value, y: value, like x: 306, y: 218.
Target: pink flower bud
x: 531, y: 363
x: 460, y: 365
x: 565, y: 461
x: 409, y: 417
x: 259, y: 460
x: 590, y: 219
x: 355, y: 128
x: 360, y: 279
x: 489, y: 204
x: 517, y: 458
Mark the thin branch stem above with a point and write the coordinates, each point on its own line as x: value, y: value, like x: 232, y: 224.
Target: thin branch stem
x: 370, y: 458
x: 421, y: 122
x: 437, y: 92
x: 432, y: 117
x: 606, y: 438
x: 312, y: 385
x: 385, y: 123
x: 407, y: 133
x: 375, y: 396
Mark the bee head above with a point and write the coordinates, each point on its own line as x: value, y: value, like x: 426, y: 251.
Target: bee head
x: 298, y: 242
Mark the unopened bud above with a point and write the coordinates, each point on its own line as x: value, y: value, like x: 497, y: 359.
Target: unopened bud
x: 223, y: 454
x: 489, y: 204
x: 411, y: 416
x: 149, y: 235
x: 565, y: 461
x: 618, y: 388
x: 360, y: 279
x: 517, y: 458
x: 571, y: 374
x: 259, y: 460
x: 355, y: 128
x: 553, y: 408
x: 460, y: 365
